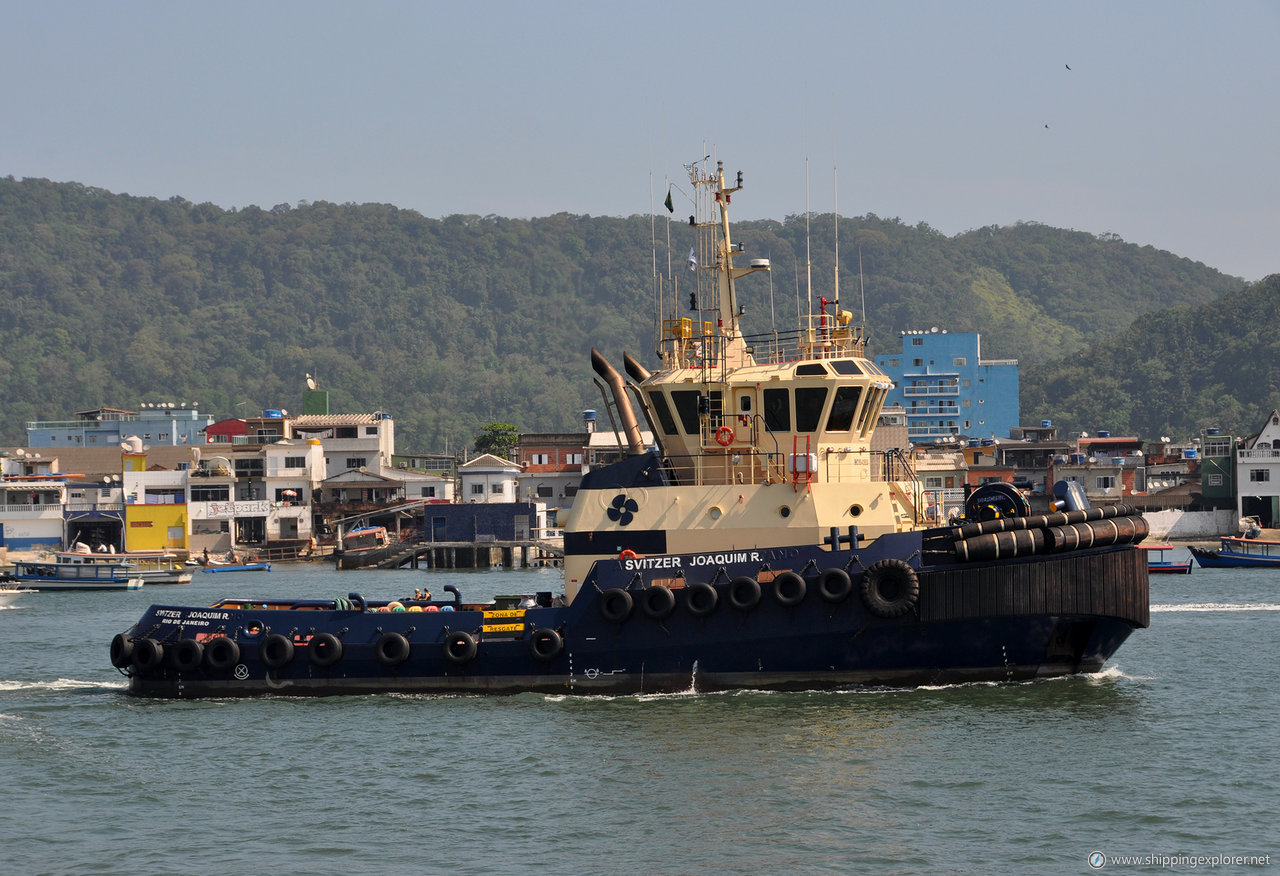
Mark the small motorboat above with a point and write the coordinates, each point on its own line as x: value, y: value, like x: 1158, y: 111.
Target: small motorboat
x: 1159, y: 560
x: 240, y: 567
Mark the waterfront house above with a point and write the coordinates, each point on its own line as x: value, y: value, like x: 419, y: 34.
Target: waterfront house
x: 1258, y: 473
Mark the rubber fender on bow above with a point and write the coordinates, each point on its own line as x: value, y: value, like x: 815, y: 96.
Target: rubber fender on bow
x: 391, y: 649
x: 658, y: 602
x: 788, y: 589
x: 890, y: 588
x: 546, y: 644
x: 220, y: 654
x: 324, y: 650
x: 187, y: 655
x: 744, y: 593
x: 834, y: 585
x: 121, y: 650
x: 700, y: 599
x: 459, y: 647
x: 615, y: 605
x: 148, y: 654
x: 276, y: 651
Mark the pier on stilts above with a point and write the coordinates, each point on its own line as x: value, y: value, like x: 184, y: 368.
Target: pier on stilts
x: 469, y: 555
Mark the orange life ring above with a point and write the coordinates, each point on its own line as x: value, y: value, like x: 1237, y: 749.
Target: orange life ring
x: 628, y: 554
x: 724, y: 436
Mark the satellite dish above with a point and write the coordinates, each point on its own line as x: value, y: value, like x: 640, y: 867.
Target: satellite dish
x: 124, y: 445
x: 311, y: 382
x: 21, y: 453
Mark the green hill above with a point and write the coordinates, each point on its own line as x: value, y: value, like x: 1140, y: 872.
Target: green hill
x: 450, y: 323
x: 1173, y: 372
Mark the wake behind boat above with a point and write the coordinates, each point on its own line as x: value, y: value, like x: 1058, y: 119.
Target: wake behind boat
x: 761, y: 544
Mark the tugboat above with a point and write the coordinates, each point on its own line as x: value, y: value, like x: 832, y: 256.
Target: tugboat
x: 761, y: 544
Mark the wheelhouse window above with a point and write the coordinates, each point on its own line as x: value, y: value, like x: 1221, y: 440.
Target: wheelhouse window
x: 843, y: 408
x: 686, y: 402
x: 663, y: 410
x: 809, y: 403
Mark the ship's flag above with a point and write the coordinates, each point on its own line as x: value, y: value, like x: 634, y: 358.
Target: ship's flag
x: 693, y: 260
x: 671, y: 208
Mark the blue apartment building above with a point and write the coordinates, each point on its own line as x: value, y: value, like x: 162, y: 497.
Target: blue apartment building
x: 163, y: 424
x: 948, y: 391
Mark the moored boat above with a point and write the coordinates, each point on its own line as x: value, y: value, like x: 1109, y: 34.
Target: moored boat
x: 68, y: 576
x: 237, y: 567
x: 153, y: 567
x: 761, y: 544
x: 1236, y: 552
x: 364, y: 546
x: 1160, y: 560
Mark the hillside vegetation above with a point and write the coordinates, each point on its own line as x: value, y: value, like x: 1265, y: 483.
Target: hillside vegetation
x: 451, y: 323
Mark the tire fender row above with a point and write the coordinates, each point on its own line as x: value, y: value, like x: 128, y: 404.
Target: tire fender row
x: 889, y: 588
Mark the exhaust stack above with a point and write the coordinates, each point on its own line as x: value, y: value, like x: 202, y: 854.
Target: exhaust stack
x: 630, y: 426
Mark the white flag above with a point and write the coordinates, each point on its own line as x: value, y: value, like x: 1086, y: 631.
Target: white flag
x: 693, y: 260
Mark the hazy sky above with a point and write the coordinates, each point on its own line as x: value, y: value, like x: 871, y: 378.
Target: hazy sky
x: 1165, y: 130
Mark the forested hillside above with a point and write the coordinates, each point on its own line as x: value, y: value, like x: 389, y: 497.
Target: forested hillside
x: 1172, y: 373
x: 451, y: 323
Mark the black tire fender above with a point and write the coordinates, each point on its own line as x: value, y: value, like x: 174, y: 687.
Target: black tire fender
x: 324, y: 650
x: 890, y: 588
x: 459, y: 647
x: 275, y: 651
x: 615, y: 605
x: 658, y: 602
x: 148, y: 654
x: 121, y: 650
x: 220, y: 654
x: 391, y: 649
x: 788, y: 589
x: 744, y: 593
x: 700, y: 599
x: 834, y: 585
x: 187, y: 655
x: 546, y: 644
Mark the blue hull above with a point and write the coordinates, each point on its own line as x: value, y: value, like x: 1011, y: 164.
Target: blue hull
x: 996, y: 621
x: 246, y: 567
x: 1225, y: 560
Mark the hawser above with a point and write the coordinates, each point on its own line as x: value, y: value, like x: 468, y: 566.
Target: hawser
x: 757, y: 541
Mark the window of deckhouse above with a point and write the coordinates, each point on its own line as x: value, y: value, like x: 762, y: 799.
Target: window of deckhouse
x: 809, y: 403
x: 660, y: 407
x: 686, y: 402
x: 777, y: 410
x: 843, y: 408
x: 871, y: 410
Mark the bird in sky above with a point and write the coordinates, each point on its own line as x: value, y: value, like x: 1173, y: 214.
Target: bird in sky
x: 1068, y: 66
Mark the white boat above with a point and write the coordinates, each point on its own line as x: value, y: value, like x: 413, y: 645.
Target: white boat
x: 76, y: 576
x: 9, y: 593
x: 153, y: 567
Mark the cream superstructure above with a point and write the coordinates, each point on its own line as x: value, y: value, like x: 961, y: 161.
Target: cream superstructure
x: 765, y: 439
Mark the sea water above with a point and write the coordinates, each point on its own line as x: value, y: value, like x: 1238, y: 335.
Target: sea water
x: 1167, y: 756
